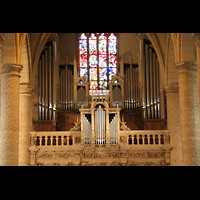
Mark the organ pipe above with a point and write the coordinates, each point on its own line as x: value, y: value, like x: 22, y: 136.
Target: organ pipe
x: 131, y: 86
x: 46, y: 85
x: 158, y: 88
x: 47, y: 82
x: 43, y: 87
x: 50, y: 83
x: 142, y: 53
x: 66, y: 86
x: 40, y: 88
x: 151, y: 81
x: 54, y: 62
x: 154, y: 85
x: 147, y: 80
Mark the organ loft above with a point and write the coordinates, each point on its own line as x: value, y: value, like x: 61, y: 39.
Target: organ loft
x: 99, y: 99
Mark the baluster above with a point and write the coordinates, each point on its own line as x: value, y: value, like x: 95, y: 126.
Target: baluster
x: 35, y: 140
x: 68, y: 139
x: 46, y: 138
x: 143, y: 139
x: 133, y: 139
x: 62, y: 140
x: 56, y: 140
x: 159, y: 139
x: 148, y: 139
x: 40, y: 139
x: 51, y: 138
x: 138, y: 139
x: 154, y: 139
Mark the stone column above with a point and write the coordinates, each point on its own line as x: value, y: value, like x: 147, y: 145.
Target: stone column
x: 197, y: 43
x: 25, y: 123
x: 173, y: 123
x: 189, y: 112
x: 2, y: 38
x: 9, y: 136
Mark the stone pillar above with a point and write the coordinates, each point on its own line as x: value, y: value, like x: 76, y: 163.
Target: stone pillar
x: 9, y: 136
x: 189, y: 112
x: 2, y: 38
x: 197, y: 43
x: 173, y: 123
x: 25, y: 123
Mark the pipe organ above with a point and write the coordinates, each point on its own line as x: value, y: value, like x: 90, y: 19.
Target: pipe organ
x: 47, y: 82
x: 66, y: 88
x: 131, y: 85
x: 100, y: 125
x: 87, y: 128
x: 113, y: 128
x: 150, y: 81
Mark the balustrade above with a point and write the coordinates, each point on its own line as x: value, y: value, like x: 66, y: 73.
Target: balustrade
x: 144, y: 137
x: 52, y: 139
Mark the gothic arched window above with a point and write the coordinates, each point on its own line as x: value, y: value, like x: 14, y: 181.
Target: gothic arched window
x: 98, y: 58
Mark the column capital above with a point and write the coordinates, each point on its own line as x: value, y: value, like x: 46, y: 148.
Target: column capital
x: 171, y: 89
x: 186, y: 67
x: 26, y: 88
x: 196, y: 36
x: 11, y: 69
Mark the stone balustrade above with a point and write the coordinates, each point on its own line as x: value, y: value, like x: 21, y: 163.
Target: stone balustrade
x: 65, y: 139
x: 53, y: 139
x: 144, y: 137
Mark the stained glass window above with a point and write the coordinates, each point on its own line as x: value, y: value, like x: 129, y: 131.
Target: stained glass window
x: 98, y: 58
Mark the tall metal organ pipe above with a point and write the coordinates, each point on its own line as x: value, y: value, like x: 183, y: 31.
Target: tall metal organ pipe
x: 150, y: 82
x: 131, y: 96
x: 47, y: 82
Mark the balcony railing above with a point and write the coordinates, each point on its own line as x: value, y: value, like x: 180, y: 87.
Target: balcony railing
x: 70, y: 139
x: 55, y: 139
x: 144, y: 138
